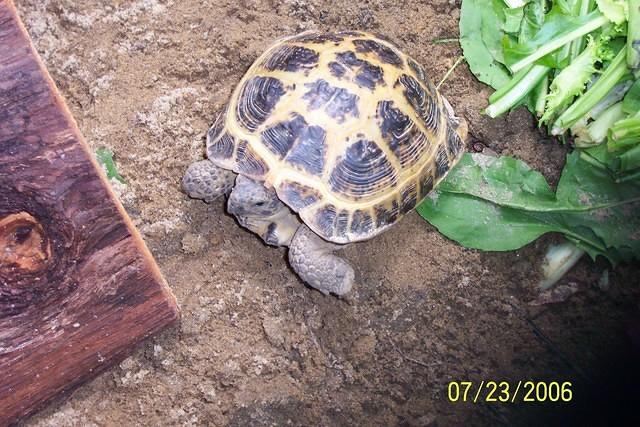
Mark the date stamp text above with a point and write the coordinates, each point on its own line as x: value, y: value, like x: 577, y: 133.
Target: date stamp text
x: 509, y: 392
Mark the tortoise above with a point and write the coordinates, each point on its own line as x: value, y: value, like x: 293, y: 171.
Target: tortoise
x: 328, y: 139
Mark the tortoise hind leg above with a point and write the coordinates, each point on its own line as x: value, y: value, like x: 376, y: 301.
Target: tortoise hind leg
x: 313, y: 259
x: 206, y: 181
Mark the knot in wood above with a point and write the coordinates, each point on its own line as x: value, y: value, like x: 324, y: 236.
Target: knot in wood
x: 24, y: 245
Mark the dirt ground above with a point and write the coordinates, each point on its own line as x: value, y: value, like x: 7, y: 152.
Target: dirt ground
x: 255, y: 346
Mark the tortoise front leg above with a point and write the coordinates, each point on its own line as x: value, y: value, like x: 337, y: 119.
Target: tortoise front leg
x: 206, y: 181
x: 313, y: 259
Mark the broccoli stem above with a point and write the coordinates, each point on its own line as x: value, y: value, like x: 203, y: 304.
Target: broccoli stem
x: 598, y: 129
x: 577, y: 45
x: 615, y: 72
x: 519, y: 86
x: 614, y: 96
x: 558, y: 261
x: 515, y: 79
x: 541, y: 95
x: 633, y: 37
x: 630, y: 160
x: 624, y: 133
x: 592, y: 24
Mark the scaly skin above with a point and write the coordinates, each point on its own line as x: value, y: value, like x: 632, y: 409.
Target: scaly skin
x: 206, y: 181
x: 313, y: 259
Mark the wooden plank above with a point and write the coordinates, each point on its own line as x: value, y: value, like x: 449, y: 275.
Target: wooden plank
x: 78, y: 287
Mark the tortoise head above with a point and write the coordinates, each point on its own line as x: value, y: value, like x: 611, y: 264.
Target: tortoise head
x: 251, y: 198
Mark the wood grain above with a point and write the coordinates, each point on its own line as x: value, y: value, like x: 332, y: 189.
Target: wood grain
x: 78, y: 287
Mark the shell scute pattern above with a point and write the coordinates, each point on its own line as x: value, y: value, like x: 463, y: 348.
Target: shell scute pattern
x: 425, y: 104
x: 248, y: 162
x: 361, y: 222
x: 426, y: 182
x: 363, y: 170
x: 384, y: 53
x: 408, y: 197
x: 292, y: 58
x: 348, y: 130
x: 298, y: 196
x: 404, y: 138
x: 386, y: 215
x: 296, y: 142
x: 366, y: 74
x: 337, y: 102
x: 256, y: 101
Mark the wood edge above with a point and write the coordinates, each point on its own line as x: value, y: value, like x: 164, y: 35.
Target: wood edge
x: 137, y: 238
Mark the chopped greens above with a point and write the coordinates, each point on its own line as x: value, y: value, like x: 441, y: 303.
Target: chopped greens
x: 575, y: 64
x: 105, y: 159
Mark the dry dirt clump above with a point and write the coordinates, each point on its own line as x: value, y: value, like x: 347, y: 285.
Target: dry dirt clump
x: 255, y: 346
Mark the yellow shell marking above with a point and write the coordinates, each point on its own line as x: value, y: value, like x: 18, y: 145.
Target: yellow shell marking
x: 344, y: 70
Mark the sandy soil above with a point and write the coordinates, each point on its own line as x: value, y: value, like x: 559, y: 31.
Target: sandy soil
x: 255, y: 346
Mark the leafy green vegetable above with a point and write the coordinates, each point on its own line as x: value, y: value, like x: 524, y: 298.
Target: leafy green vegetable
x: 481, y: 40
x: 615, y: 10
x: 624, y: 133
x: 513, y: 19
x: 541, y: 93
x: 558, y: 30
x: 633, y: 37
x: 631, y: 101
x: 549, y: 52
x: 532, y: 20
x: 599, y: 128
x: 105, y: 159
x: 612, y: 75
x: 513, y: 4
x: 571, y: 81
x: 516, y: 89
x: 582, y: 8
x: 630, y: 159
x: 501, y: 204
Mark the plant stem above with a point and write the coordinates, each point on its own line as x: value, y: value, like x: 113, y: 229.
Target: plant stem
x: 578, y: 44
x: 614, y: 96
x: 443, y: 41
x: 518, y: 90
x: 515, y: 79
x: 541, y: 95
x: 633, y: 37
x: 612, y: 75
x: 599, y: 128
x: 558, y: 261
x: 624, y: 133
x: 593, y: 24
x: 449, y: 71
x: 630, y: 160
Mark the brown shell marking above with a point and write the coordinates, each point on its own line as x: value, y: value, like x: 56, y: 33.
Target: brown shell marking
x: 348, y: 130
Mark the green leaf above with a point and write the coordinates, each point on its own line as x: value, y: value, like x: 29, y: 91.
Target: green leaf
x: 501, y: 204
x: 105, y: 159
x: 503, y: 180
x: 570, y: 81
x: 615, y: 10
x: 558, y: 30
x: 633, y: 38
x: 513, y: 19
x: 631, y: 101
x: 481, y: 40
x: 476, y: 223
x: 532, y: 20
x: 630, y: 160
x: 624, y: 134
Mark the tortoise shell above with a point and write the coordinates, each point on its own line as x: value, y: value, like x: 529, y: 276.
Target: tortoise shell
x: 346, y: 128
